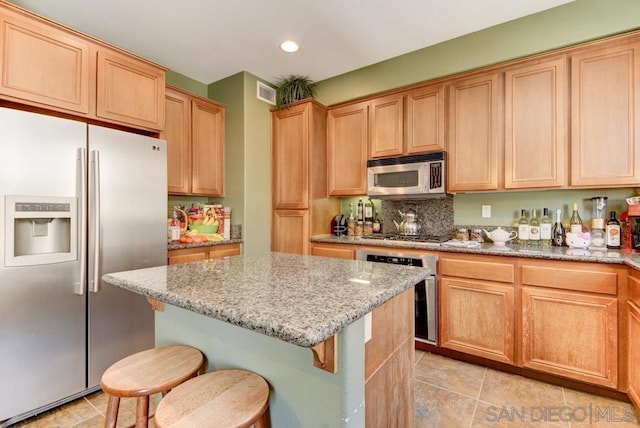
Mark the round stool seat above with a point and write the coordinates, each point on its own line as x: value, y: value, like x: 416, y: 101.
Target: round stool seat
x: 221, y: 399
x: 146, y: 373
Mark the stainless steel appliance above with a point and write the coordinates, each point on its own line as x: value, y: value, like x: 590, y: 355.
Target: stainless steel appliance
x: 426, y: 292
x: 407, y: 177
x: 77, y: 201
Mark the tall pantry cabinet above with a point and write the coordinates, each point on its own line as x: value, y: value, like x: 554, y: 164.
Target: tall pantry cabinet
x: 300, y: 203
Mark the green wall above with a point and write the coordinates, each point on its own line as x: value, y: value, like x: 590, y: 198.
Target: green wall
x: 188, y: 84
x: 247, y: 158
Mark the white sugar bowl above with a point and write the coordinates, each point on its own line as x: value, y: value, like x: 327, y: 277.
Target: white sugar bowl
x: 500, y: 236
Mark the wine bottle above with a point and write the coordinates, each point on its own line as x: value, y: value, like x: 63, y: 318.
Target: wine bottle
x: 557, y: 237
x: 575, y: 223
x: 545, y: 229
x: 360, y: 219
x: 613, y: 232
x: 534, y: 229
x: 351, y: 222
x: 523, y: 228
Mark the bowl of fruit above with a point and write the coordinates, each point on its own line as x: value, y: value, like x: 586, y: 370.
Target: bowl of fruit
x: 204, y: 228
x: 206, y: 224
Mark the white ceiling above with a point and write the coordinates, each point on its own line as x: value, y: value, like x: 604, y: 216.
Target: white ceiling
x: 208, y: 40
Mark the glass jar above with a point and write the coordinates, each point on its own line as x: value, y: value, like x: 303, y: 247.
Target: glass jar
x: 476, y: 235
x: 461, y: 234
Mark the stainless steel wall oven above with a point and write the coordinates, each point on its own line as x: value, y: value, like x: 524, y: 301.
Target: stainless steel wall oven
x: 426, y: 303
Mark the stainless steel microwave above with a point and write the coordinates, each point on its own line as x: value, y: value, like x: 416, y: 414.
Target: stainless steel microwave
x: 407, y: 177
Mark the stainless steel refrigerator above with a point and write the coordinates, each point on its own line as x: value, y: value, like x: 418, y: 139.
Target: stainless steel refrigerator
x: 78, y: 201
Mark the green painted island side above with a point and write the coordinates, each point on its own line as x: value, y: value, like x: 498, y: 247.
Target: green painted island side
x: 301, y: 395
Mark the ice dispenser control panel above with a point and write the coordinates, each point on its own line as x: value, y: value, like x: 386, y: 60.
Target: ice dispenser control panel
x: 40, y: 230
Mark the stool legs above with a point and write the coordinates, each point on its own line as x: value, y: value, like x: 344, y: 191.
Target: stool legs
x: 112, y: 411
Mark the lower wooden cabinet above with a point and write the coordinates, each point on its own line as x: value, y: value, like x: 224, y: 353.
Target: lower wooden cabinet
x: 570, y: 319
x: 633, y: 325
x: 203, y: 253
x: 477, y: 318
x: 571, y: 334
x: 477, y: 306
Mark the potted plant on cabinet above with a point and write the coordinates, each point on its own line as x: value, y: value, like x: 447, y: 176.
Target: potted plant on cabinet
x: 293, y: 88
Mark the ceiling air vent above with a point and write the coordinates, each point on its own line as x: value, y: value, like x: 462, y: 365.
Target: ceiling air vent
x: 266, y: 93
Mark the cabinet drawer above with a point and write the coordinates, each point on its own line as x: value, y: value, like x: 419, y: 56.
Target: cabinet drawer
x: 338, y: 252
x: 571, y: 278
x: 478, y: 269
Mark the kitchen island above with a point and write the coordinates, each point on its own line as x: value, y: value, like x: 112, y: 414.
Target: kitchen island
x: 267, y: 312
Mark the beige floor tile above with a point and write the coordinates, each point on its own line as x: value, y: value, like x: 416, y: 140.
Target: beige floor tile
x: 457, y: 376
x: 62, y: 417
x: 418, y: 355
x: 506, y: 389
x: 593, y: 410
x: 487, y: 415
x: 436, y: 407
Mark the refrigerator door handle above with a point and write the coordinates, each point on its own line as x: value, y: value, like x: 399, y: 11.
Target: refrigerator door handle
x: 81, y: 285
x: 94, y: 193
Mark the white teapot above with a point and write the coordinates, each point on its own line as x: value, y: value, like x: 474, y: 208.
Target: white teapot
x: 500, y: 237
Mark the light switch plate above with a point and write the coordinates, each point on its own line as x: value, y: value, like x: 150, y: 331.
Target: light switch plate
x: 486, y: 211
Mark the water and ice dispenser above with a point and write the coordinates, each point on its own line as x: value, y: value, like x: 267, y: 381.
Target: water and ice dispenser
x: 40, y: 230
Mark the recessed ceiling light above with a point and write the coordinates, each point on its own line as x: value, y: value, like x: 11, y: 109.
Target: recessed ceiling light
x: 289, y: 46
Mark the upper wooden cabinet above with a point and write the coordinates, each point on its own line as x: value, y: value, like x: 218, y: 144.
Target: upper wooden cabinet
x: 605, y: 145
x: 194, y: 131
x: 535, y: 130
x: 50, y: 66
x: 129, y: 91
x: 43, y: 64
x: 424, y: 127
x: 386, y: 129
x: 347, y: 139
x: 474, y: 138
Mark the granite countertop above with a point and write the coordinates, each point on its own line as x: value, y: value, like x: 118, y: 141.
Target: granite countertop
x: 628, y: 257
x: 180, y: 246
x: 302, y: 300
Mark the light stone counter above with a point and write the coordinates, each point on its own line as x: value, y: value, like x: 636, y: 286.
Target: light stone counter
x: 631, y: 258
x: 302, y: 300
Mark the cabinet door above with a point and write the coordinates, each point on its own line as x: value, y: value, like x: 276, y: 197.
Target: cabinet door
x: 474, y: 140
x: 634, y: 354
x: 425, y: 120
x: 535, y: 137
x: 129, y: 91
x: 290, y: 232
x: 347, y: 138
x: 207, y: 150
x: 290, y: 157
x: 570, y: 334
x: 184, y: 256
x: 177, y: 132
x: 605, y: 149
x: 44, y: 65
x: 477, y: 318
x: 386, y: 122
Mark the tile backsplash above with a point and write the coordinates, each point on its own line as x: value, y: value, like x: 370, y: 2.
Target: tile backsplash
x: 435, y: 216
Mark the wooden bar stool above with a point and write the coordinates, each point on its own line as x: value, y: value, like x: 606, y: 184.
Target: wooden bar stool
x: 146, y: 373
x: 221, y: 399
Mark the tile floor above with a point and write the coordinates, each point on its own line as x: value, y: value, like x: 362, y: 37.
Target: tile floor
x: 449, y: 394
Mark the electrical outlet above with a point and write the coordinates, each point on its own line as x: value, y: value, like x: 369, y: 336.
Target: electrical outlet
x: 486, y: 211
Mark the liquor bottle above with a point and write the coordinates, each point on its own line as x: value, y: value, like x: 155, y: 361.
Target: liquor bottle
x: 534, y: 229
x: 368, y: 218
x: 523, y: 228
x: 613, y: 232
x: 545, y: 229
x: 557, y: 237
x: 575, y: 223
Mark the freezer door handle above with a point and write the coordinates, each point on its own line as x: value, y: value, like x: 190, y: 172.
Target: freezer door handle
x: 81, y: 285
x: 94, y: 193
